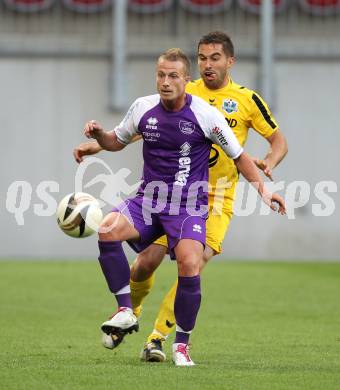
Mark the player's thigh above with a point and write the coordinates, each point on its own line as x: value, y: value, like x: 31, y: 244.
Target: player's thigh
x: 116, y: 227
x: 189, y: 254
x: 132, y: 209
x: 216, y: 229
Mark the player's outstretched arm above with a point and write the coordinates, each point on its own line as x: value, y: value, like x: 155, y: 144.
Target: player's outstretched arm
x: 86, y: 149
x: 106, y: 139
x: 277, y: 151
x: 246, y: 166
x: 90, y: 148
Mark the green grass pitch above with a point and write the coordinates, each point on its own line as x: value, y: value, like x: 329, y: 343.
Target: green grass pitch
x: 261, y: 326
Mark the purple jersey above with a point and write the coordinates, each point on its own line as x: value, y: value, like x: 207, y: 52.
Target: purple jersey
x: 176, y: 147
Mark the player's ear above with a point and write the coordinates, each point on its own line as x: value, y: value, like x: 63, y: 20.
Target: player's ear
x: 230, y: 61
x: 187, y: 78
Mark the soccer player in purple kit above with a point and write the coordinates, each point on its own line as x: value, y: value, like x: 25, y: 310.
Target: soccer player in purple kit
x: 177, y: 130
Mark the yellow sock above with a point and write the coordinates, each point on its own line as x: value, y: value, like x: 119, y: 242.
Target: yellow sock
x: 165, y: 321
x: 139, y: 290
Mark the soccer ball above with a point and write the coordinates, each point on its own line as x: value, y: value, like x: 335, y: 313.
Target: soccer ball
x: 79, y: 215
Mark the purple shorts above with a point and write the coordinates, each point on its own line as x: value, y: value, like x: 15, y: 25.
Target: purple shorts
x: 151, y: 226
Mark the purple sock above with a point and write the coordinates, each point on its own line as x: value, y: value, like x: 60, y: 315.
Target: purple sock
x: 116, y: 270
x: 187, y: 304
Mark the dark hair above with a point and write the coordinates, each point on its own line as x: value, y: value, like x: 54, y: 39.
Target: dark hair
x: 176, y: 54
x: 221, y: 38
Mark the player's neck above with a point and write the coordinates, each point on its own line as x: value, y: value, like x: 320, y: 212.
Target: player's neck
x: 174, y: 105
x: 225, y: 82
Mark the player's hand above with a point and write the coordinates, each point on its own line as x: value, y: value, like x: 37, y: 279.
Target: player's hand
x: 264, y: 166
x: 275, y: 202
x: 93, y: 129
x: 85, y: 149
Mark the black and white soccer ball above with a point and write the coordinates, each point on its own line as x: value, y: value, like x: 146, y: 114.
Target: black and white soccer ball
x: 79, y: 215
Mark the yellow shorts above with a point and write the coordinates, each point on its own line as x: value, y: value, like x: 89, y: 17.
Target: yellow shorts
x: 217, y: 226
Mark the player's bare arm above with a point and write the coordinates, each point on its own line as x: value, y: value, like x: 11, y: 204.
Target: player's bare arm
x: 106, y: 139
x: 246, y: 166
x: 86, y: 149
x: 278, y: 150
x: 93, y: 147
x: 221, y: 134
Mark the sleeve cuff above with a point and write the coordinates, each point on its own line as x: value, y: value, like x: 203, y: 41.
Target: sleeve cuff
x: 238, y: 154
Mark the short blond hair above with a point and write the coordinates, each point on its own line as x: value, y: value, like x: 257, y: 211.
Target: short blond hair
x: 176, y: 54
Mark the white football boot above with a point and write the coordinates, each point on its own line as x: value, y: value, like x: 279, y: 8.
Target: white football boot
x: 119, y: 324
x: 180, y: 355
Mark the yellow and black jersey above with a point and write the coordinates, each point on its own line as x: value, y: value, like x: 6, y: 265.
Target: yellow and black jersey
x: 243, y: 109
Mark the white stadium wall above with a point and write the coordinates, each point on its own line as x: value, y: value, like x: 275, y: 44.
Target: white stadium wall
x: 47, y: 101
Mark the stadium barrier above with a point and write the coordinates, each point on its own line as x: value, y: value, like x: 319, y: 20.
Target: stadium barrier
x: 206, y: 6
x: 200, y: 7
x: 149, y: 6
x: 29, y: 5
x: 87, y: 6
x: 254, y: 6
x: 320, y: 7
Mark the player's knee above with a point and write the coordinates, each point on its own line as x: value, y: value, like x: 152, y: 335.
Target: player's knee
x: 188, y: 264
x: 108, y: 229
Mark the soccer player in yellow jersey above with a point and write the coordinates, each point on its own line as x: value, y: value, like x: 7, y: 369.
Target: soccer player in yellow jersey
x: 243, y: 109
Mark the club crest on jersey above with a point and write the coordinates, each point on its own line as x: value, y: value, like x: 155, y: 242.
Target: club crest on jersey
x: 185, y: 149
x: 152, y: 123
x: 229, y: 106
x: 186, y: 127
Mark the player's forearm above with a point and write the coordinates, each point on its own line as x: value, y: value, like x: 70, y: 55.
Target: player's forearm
x: 278, y: 149
x: 94, y: 147
x: 248, y: 169
x: 107, y: 140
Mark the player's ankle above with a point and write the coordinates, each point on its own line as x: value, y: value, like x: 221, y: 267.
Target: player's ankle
x: 155, y: 335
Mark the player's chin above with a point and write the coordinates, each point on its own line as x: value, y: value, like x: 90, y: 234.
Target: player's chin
x: 169, y: 101
x: 211, y: 83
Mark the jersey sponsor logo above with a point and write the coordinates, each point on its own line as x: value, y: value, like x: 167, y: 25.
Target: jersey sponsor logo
x: 216, y: 130
x: 197, y: 228
x: 231, y: 122
x: 151, y: 136
x: 186, y: 127
x: 184, y: 171
x: 152, y: 123
x: 229, y: 106
x: 185, y: 149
